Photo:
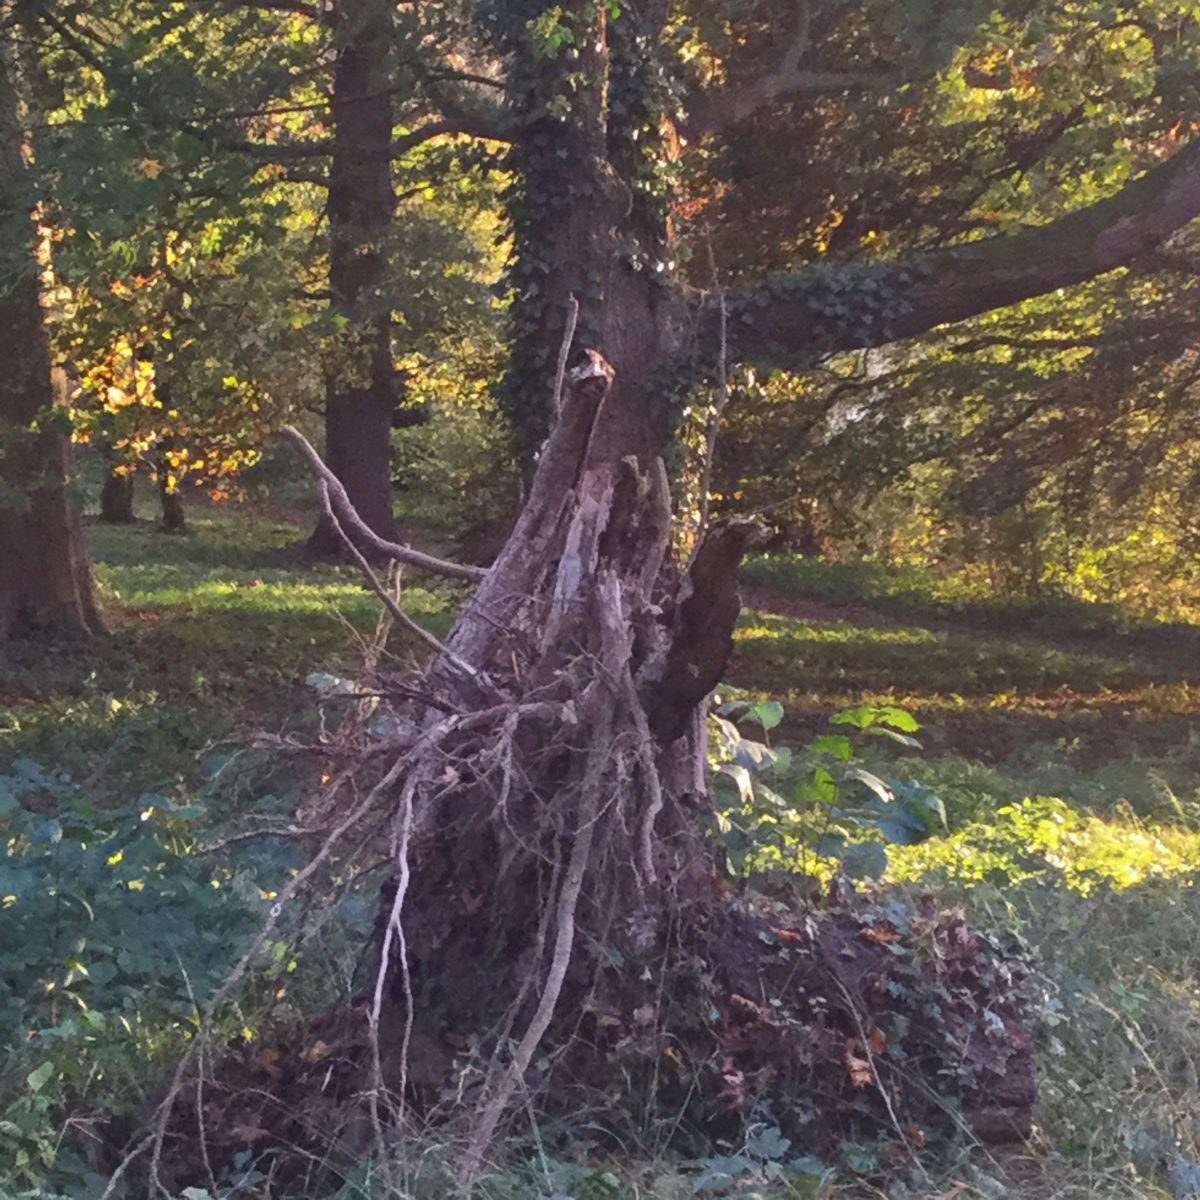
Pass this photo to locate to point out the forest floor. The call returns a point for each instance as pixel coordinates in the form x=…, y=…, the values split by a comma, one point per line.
x=217, y=630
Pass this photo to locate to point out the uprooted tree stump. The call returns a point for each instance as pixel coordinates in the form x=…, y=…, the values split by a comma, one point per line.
x=554, y=904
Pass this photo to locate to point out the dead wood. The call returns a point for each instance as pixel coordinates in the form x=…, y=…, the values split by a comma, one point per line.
x=542, y=796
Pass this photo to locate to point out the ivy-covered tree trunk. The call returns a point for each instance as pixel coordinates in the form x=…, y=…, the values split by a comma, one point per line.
x=45, y=575
x=362, y=387
x=589, y=220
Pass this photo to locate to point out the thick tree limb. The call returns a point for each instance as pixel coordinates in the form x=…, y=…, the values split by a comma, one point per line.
x=792, y=320
x=706, y=611
x=365, y=536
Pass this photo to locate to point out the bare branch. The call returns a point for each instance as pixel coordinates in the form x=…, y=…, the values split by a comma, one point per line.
x=285, y=152
x=361, y=531
x=398, y=614
x=713, y=111
x=564, y=351
x=74, y=38
x=465, y=126
x=298, y=7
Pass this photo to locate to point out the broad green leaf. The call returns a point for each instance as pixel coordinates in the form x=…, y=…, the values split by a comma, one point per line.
x=768, y=713
x=818, y=787
x=872, y=782
x=741, y=777
x=40, y=1076
x=902, y=829
x=903, y=738
x=835, y=744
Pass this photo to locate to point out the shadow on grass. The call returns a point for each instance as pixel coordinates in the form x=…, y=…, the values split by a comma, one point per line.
x=994, y=698
x=214, y=634
x=918, y=597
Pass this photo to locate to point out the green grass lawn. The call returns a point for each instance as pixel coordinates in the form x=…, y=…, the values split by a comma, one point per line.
x=1090, y=705
x=1064, y=744
x=214, y=632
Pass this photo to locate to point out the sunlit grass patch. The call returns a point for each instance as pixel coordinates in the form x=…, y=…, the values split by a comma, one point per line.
x=1044, y=837
x=214, y=634
x=941, y=661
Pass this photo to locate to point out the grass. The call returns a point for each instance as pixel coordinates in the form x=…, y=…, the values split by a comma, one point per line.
x=1049, y=709
x=214, y=633
x=1062, y=739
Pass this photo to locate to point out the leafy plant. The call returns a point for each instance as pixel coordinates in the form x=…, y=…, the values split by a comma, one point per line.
x=803, y=811
x=765, y=1157
x=115, y=932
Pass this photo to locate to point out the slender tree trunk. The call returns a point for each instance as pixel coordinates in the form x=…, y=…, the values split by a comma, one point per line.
x=116, y=497
x=174, y=516
x=362, y=387
x=45, y=575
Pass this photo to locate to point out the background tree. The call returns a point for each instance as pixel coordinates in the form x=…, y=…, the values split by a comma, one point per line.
x=45, y=576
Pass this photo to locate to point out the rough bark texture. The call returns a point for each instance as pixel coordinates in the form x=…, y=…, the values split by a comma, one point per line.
x=362, y=387
x=45, y=575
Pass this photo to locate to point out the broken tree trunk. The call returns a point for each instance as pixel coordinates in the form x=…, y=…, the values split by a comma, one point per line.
x=553, y=920
x=548, y=788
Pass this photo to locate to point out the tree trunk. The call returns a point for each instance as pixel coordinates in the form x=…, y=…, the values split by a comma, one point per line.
x=586, y=224
x=555, y=809
x=584, y=659
x=116, y=497
x=174, y=516
x=362, y=387
x=45, y=575
x=544, y=791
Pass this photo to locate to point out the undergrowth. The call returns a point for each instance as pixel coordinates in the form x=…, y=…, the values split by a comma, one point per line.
x=125, y=901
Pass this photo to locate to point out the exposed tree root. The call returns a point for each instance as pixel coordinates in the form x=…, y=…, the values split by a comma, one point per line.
x=553, y=903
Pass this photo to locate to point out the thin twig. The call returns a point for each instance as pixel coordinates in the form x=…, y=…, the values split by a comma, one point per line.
x=398, y=614
x=905, y=1141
